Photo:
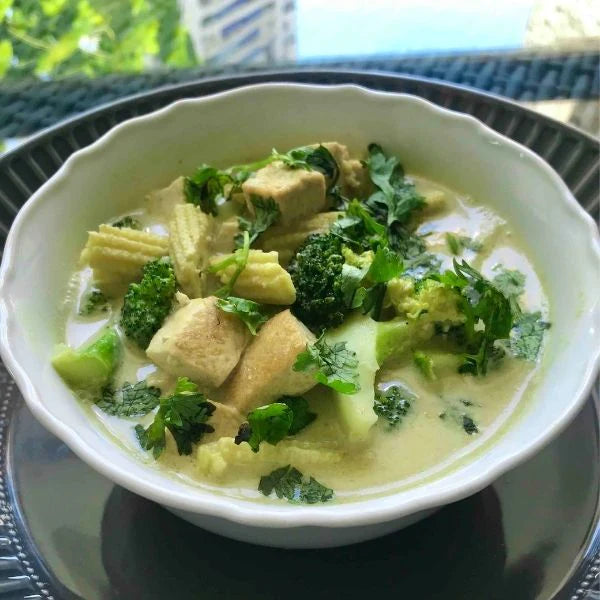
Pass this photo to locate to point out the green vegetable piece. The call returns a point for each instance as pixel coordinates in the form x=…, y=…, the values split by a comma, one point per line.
x=302, y=416
x=251, y=313
x=129, y=400
x=205, y=187
x=393, y=404
x=386, y=265
x=270, y=423
x=483, y=304
x=289, y=483
x=316, y=273
x=184, y=414
x=469, y=425
x=334, y=365
x=90, y=367
x=240, y=259
x=147, y=303
x=274, y=422
x=92, y=303
x=527, y=335
x=128, y=221
x=510, y=282
x=424, y=364
x=266, y=212
x=396, y=197
x=355, y=412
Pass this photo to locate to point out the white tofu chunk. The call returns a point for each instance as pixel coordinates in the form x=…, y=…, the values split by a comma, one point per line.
x=199, y=341
x=297, y=192
x=265, y=371
x=354, y=178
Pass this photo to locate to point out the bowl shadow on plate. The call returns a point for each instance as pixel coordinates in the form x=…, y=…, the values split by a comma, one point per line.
x=459, y=552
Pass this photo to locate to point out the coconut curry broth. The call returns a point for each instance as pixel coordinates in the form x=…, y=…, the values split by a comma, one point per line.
x=429, y=440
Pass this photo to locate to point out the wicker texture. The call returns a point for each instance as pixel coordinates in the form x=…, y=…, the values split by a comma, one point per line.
x=32, y=105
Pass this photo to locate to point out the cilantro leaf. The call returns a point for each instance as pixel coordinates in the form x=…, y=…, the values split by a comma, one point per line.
x=205, y=187
x=184, y=414
x=302, y=416
x=386, y=265
x=240, y=259
x=527, y=335
x=312, y=159
x=334, y=365
x=483, y=304
x=393, y=404
x=128, y=221
x=129, y=400
x=93, y=302
x=274, y=422
x=251, y=313
x=396, y=197
x=266, y=212
x=289, y=483
x=425, y=364
x=510, y=282
x=270, y=423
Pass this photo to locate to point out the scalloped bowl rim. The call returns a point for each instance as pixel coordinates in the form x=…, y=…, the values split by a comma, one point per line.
x=246, y=512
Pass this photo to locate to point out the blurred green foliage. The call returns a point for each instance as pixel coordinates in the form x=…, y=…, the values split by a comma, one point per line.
x=57, y=38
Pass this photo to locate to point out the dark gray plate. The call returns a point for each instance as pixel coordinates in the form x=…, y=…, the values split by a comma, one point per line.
x=66, y=532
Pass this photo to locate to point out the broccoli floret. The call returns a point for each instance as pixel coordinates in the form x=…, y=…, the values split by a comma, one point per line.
x=147, y=303
x=316, y=272
x=89, y=367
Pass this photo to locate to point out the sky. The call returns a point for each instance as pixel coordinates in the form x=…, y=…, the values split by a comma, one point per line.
x=330, y=28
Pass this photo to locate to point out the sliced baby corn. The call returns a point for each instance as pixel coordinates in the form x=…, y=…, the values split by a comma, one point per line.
x=190, y=237
x=117, y=255
x=287, y=239
x=262, y=280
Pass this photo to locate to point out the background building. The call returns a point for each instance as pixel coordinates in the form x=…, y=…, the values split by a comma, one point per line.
x=241, y=31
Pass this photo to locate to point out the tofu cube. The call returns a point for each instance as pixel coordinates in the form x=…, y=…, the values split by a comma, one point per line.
x=354, y=177
x=199, y=341
x=265, y=371
x=297, y=192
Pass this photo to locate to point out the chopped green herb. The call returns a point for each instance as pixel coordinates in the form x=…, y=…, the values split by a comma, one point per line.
x=385, y=266
x=251, y=313
x=453, y=243
x=461, y=418
x=311, y=159
x=425, y=364
x=393, y=404
x=483, y=304
x=396, y=198
x=130, y=400
x=289, y=483
x=274, y=422
x=184, y=414
x=93, y=302
x=266, y=212
x=527, y=335
x=469, y=425
x=205, y=187
x=128, y=221
x=303, y=417
x=334, y=365
x=239, y=258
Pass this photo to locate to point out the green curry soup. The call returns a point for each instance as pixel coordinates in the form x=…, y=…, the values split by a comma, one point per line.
x=312, y=327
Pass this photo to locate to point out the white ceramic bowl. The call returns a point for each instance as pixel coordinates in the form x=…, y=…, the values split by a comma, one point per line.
x=148, y=152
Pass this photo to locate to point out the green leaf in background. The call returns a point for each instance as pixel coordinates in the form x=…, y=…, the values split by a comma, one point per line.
x=58, y=38
x=6, y=54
